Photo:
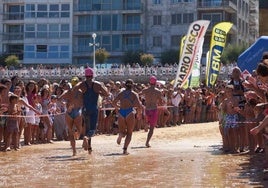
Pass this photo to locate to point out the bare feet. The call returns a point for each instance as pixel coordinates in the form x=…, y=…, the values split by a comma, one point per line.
x=85, y=143
x=74, y=153
x=89, y=150
x=120, y=136
x=125, y=152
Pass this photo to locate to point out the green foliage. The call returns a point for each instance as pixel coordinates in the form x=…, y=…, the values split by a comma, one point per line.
x=131, y=57
x=12, y=60
x=101, y=55
x=231, y=53
x=170, y=57
x=147, y=59
x=2, y=59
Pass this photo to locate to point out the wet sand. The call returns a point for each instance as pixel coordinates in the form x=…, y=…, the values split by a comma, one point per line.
x=182, y=156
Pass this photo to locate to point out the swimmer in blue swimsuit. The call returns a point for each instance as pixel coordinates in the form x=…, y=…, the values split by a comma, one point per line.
x=73, y=117
x=126, y=120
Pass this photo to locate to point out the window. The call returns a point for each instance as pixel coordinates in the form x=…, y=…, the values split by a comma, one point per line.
x=65, y=31
x=106, y=23
x=41, y=48
x=213, y=17
x=41, y=30
x=96, y=4
x=106, y=42
x=157, y=41
x=54, y=11
x=64, y=52
x=29, y=51
x=30, y=11
x=175, y=1
x=175, y=40
x=65, y=10
x=84, y=23
x=16, y=12
x=41, y=51
x=29, y=31
x=157, y=20
x=53, y=31
x=116, y=41
x=176, y=19
x=188, y=18
x=53, y=52
x=42, y=11
x=156, y=2
x=65, y=7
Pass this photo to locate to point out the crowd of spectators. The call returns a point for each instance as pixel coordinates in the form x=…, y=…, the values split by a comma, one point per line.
x=239, y=104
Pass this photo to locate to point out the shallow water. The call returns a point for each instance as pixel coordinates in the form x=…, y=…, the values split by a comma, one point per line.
x=168, y=163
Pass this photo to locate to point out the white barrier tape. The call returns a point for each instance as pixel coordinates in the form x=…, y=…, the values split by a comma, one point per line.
x=46, y=115
x=119, y=108
x=43, y=115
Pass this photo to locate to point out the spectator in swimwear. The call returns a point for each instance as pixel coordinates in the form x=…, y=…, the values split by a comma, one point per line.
x=12, y=130
x=31, y=91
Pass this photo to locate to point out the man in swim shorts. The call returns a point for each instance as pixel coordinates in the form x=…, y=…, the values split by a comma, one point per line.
x=152, y=97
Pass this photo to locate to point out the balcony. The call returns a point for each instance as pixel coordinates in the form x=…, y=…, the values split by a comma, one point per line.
x=97, y=7
x=13, y=16
x=125, y=28
x=226, y=5
x=13, y=36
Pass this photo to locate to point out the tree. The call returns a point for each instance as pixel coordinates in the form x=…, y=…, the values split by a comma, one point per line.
x=131, y=57
x=12, y=60
x=231, y=53
x=2, y=59
x=170, y=57
x=147, y=59
x=101, y=55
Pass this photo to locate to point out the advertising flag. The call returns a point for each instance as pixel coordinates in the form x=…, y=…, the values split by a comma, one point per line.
x=217, y=44
x=193, y=41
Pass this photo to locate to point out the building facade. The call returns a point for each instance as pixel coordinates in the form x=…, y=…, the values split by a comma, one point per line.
x=59, y=31
x=39, y=32
x=263, y=16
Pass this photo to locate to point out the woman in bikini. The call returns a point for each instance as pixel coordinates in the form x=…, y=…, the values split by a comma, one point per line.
x=126, y=101
x=73, y=117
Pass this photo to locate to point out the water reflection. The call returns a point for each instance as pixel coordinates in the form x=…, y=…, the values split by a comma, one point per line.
x=166, y=164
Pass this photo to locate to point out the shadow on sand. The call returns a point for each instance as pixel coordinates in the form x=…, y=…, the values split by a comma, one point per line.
x=252, y=168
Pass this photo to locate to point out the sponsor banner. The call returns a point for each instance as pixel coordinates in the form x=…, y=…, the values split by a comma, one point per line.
x=194, y=80
x=193, y=41
x=217, y=44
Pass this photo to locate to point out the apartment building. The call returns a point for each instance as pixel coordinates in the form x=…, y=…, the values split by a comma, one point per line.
x=59, y=31
x=39, y=32
x=263, y=16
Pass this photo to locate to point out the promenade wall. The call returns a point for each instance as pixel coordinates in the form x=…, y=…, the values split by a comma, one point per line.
x=141, y=75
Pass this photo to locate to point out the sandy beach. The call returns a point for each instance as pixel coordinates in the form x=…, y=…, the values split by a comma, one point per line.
x=183, y=156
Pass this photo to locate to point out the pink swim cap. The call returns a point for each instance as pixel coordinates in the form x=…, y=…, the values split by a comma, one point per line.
x=89, y=72
x=153, y=80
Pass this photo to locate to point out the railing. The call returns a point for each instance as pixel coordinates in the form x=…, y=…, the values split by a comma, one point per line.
x=13, y=16
x=13, y=36
x=67, y=73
